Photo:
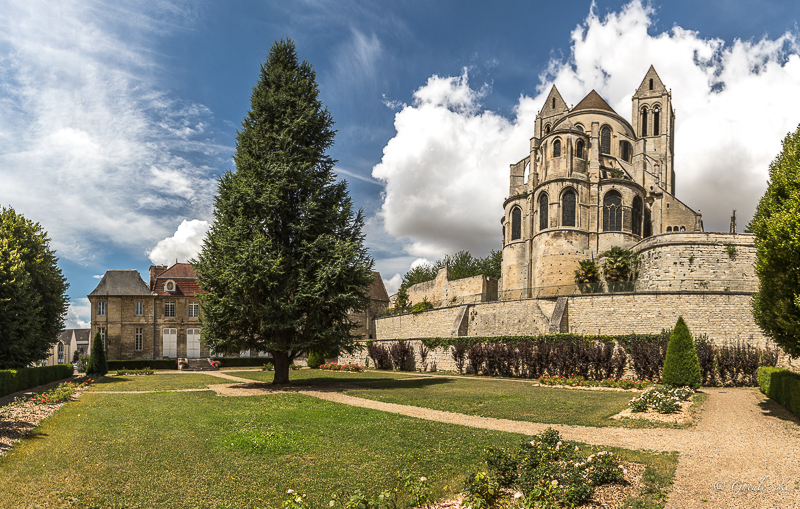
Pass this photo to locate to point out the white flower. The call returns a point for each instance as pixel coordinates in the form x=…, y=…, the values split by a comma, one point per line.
x=289, y=491
x=423, y=479
x=517, y=495
x=554, y=482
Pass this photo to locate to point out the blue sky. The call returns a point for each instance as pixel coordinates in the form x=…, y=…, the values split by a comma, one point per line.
x=117, y=117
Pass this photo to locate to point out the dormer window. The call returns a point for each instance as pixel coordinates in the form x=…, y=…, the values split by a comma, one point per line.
x=169, y=286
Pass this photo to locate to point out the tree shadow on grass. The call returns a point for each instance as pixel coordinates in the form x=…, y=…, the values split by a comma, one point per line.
x=402, y=383
x=771, y=408
x=106, y=380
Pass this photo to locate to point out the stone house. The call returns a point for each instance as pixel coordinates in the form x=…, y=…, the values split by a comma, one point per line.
x=379, y=301
x=69, y=341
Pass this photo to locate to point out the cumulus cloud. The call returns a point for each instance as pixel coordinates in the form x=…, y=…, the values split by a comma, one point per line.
x=393, y=284
x=184, y=245
x=89, y=147
x=446, y=168
x=77, y=309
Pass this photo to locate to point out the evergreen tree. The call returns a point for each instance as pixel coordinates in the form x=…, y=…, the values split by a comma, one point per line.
x=284, y=263
x=33, y=298
x=681, y=365
x=97, y=366
x=776, y=226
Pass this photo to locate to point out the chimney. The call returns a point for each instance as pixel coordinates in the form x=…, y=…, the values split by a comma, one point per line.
x=155, y=270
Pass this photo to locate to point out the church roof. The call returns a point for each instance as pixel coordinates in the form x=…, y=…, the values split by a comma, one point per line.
x=593, y=101
x=377, y=291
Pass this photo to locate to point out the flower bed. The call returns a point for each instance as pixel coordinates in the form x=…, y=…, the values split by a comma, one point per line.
x=664, y=401
x=579, y=381
x=335, y=366
x=63, y=392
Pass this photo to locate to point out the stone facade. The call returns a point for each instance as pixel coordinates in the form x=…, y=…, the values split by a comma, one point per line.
x=441, y=291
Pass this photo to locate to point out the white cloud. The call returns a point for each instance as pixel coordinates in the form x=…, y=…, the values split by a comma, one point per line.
x=393, y=284
x=89, y=147
x=98, y=276
x=446, y=168
x=184, y=245
x=78, y=309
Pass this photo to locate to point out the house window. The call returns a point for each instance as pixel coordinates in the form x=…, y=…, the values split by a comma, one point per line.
x=194, y=310
x=516, y=223
x=543, y=204
x=138, y=339
x=169, y=310
x=605, y=140
x=568, y=209
x=656, y=118
x=60, y=352
x=579, y=149
x=612, y=212
x=139, y=308
x=644, y=122
x=636, y=212
x=101, y=308
x=557, y=148
x=102, y=331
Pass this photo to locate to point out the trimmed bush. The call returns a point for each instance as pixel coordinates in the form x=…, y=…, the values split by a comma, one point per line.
x=97, y=361
x=315, y=359
x=781, y=385
x=20, y=379
x=681, y=366
x=765, y=377
x=143, y=364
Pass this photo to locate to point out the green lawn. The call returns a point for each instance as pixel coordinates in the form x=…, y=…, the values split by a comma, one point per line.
x=165, y=382
x=317, y=376
x=505, y=399
x=198, y=450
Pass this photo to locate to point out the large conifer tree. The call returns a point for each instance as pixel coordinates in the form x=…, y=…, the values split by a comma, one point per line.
x=284, y=262
x=776, y=225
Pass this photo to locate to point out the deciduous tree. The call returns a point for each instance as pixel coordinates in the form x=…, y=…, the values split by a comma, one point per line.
x=284, y=262
x=33, y=298
x=776, y=225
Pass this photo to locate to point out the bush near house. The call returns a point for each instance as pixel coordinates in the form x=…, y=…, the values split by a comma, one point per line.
x=781, y=385
x=13, y=380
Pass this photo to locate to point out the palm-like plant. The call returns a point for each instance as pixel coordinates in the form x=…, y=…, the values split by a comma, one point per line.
x=587, y=272
x=617, y=264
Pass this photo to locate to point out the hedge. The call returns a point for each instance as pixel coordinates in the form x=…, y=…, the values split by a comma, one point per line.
x=20, y=379
x=781, y=385
x=143, y=363
x=237, y=362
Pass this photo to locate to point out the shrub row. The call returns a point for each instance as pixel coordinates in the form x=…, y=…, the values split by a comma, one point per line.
x=239, y=362
x=20, y=379
x=781, y=385
x=142, y=364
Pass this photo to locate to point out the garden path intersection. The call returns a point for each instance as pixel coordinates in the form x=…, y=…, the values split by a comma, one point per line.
x=737, y=456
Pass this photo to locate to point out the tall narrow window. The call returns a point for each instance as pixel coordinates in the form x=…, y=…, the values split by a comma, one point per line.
x=568, y=209
x=102, y=331
x=60, y=352
x=194, y=310
x=516, y=223
x=547, y=129
x=579, y=149
x=651, y=83
x=554, y=103
x=656, y=118
x=544, y=203
x=138, y=338
x=644, y=122
x=169, y=310
x=625, y=151
x=612, y=212
x=605, y=140
x=101, y=308
x=557, y=148
x=139, y=308
x=636, y=212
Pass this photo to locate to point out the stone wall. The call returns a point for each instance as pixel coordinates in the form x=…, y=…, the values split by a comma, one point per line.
x=439, y=359
x=443, y=292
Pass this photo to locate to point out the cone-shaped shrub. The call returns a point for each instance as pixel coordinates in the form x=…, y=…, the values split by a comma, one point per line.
x=97, y=366
x=681, y=366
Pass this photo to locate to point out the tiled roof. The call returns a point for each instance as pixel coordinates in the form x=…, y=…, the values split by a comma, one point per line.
x=593, y=101
x=185, y=279
x=377, y=291
x=82, y=335
x=121, y=282
x=65, y=336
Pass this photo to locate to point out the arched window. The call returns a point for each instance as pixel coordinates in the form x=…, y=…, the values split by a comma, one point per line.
x=557, y=148
x=625, y=151
x=605, y=140
x=636, y=212
x=656, y=117
x=579, y=149
x=651, y=83
x=544, y=203
x=579, y=128
x=568, y=208
x=612, y=212
x=683, y=228
x=669, y=229
x=516, y=223
x=644, y=122
x=674, y=229
x=547, y=129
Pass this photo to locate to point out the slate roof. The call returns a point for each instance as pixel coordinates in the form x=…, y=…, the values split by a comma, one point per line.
x=80, y=335
x=118, y=282
x=593, y=101
x=185, y=279
x=377, y=291
x=65, y=336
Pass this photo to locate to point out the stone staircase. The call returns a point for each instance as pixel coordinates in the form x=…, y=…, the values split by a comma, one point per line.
x=198, y=365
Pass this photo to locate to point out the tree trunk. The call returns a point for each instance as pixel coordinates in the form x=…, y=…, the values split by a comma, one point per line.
x=281, y=360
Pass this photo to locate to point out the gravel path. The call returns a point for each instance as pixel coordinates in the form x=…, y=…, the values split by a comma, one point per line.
x=738, y=456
